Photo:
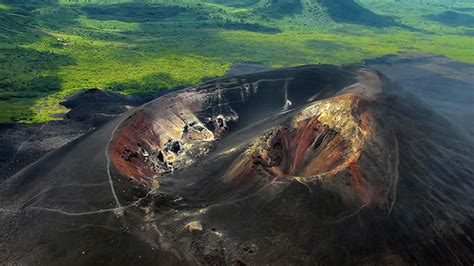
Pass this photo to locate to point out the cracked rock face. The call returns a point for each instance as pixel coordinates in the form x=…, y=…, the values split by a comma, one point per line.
x=307, y=165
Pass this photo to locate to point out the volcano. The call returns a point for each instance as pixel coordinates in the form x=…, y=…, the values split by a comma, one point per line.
x=316, y=164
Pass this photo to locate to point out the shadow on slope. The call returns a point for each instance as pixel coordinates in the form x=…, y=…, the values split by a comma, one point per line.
x=154, y=13
x=349, y=11
x=130, y=12
x=282, y=8
x=345, y=11
x=453, y=18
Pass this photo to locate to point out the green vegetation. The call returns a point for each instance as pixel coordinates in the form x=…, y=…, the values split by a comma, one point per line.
x=50, y=49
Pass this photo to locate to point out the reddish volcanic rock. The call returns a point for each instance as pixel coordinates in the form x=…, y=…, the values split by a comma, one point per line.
x=320, y=142
x=150, y=143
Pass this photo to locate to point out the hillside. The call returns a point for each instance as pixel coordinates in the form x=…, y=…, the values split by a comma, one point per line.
x=50, y=49
x=348, y=11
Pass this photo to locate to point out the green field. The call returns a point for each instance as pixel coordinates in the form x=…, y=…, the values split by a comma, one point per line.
x=49, y=50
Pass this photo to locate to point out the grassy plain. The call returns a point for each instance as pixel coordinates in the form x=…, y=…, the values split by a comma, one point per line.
x=49, y=50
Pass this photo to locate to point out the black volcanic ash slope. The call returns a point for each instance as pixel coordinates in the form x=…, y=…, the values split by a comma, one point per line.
x=315, y=164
